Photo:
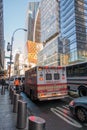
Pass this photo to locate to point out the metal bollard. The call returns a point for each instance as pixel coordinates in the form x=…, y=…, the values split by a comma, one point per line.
x=36, y=123
x=3, y=90
x=15, y=102
x=10, y=92
x=21, y=114
x=12, y=98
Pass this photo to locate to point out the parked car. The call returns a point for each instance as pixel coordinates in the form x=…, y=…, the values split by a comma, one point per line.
x=78, y=108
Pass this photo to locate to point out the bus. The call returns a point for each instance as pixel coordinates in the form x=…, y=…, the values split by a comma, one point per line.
x=77, y=79
x=46, y=83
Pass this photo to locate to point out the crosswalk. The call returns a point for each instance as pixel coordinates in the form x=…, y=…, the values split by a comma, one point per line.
x=64, y=113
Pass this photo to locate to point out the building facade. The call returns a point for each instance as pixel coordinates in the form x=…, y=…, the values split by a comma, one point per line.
x=30, y=20
x=49, y=33
x=33, y=27
x=16, y=65
x=62, y=30
x=73, y=22
x=2, y=44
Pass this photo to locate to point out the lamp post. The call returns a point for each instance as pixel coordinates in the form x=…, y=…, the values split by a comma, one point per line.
x=11, y=45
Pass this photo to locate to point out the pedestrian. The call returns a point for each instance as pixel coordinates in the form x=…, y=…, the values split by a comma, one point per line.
x=2, y=82
x=17, y=85
x=3, y=86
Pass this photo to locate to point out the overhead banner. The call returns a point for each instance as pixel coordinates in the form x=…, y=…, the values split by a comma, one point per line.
x=33, y=49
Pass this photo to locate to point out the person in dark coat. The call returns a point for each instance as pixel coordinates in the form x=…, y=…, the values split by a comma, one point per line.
x=3, y=86
x=2, y=82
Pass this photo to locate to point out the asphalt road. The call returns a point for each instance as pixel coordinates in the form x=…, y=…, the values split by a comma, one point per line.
x=56, y=114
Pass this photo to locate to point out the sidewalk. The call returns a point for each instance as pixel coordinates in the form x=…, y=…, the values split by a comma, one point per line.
x=7, y=117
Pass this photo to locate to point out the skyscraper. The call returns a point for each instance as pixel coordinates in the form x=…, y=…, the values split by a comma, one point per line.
x=30, y=21
x=49, y=33
x=73, y=17
x=33, y=33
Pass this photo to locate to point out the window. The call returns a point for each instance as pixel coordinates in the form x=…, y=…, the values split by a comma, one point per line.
x=56, y=76
x=49, y=76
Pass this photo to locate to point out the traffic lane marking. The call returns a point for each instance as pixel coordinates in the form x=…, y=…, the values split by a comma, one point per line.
x=64, y=114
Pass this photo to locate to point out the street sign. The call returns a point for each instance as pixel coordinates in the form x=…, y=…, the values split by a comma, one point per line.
x=7, y=57
x=8, y=47
x=10, y=62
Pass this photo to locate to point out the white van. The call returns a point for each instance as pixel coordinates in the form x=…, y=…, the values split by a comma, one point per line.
x=11, y=82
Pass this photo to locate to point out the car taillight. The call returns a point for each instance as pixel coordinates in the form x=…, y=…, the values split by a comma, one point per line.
x=72, y=103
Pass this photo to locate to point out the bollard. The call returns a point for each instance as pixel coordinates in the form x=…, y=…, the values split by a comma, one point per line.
x=12, y=98
x=3, y=90
x=15, y=102
x=21, y=114
x=36, y=123
x=10, y=89
x=10, y=92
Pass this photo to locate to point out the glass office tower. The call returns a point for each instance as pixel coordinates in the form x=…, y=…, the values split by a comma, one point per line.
x=49, y=19
x=30, y=21
x=49, y=33
x=73, y=22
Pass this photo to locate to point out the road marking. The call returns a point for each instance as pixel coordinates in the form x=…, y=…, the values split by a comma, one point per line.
x=60, y=112
x=65, y=111
x=66, y=107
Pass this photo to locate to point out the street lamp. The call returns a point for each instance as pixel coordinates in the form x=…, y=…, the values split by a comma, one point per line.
x=11, y=45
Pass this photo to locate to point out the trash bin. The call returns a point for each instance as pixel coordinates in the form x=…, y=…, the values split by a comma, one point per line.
x=21, y=114
x=3, y=90
x=36, y=123
x=15, y=102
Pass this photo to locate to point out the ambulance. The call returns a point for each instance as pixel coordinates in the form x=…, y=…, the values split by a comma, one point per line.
x=46, y=83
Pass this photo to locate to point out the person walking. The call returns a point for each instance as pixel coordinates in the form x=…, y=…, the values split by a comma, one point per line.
x=3, y=82
x=17, y=85
x=3, y=86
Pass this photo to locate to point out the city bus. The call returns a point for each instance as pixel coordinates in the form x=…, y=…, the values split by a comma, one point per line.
x=77, y=79
x=46, y=83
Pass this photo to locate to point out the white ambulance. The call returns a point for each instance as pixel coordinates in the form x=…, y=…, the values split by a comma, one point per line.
x=46, y=83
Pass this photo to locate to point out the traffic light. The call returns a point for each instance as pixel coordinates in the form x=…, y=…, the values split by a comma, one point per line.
x=8, y=47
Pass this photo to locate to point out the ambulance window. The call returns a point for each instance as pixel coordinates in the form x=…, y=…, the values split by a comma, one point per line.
x=56, y=76
x=48, y=76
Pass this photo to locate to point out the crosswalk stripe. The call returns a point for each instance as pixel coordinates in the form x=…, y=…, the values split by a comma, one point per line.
x=66, y=107
x=65, y=117
x=64, y=112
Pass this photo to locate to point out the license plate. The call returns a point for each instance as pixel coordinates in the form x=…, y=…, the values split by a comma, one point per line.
x=53, y=94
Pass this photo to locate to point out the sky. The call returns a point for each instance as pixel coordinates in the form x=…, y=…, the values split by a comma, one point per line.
x=15, y=12
x=15, y=17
